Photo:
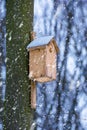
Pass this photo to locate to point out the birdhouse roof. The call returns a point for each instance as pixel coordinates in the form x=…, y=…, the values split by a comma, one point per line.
x=42, y=41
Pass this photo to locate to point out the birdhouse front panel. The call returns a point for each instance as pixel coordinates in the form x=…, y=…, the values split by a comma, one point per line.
x=37, y=63
x=51, y=61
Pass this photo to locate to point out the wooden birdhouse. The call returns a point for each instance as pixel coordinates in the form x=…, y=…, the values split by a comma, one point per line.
x=42, y=59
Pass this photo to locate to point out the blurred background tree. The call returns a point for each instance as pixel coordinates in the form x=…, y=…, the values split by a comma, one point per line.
x=67, y=22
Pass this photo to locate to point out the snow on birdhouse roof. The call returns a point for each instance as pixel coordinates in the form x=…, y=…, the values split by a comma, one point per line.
x=41, y=41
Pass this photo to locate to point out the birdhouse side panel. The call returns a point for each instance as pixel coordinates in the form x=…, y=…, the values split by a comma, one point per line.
x=37, y=63
x=51, y=61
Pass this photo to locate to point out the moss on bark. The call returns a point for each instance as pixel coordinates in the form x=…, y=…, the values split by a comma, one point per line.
x=19, y=21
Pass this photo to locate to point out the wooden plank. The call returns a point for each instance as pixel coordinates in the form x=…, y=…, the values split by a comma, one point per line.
x=33, y=94
x=55, y=45
x=37, y=63
x=43, y=79
x=33, y=85
x=51, y=61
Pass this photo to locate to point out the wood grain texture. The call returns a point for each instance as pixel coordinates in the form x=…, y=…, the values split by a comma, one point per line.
x=33, y=95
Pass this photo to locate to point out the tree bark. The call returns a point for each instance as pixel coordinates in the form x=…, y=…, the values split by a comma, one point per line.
x=19, y=25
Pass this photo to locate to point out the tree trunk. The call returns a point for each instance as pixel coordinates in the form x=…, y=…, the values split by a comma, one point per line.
x=19, y=25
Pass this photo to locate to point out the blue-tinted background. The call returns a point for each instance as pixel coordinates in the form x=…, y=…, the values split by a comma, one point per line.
x=2, y=59
x=62, y=104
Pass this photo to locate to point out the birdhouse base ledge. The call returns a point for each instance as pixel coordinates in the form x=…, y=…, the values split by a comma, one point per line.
x=43, y=79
